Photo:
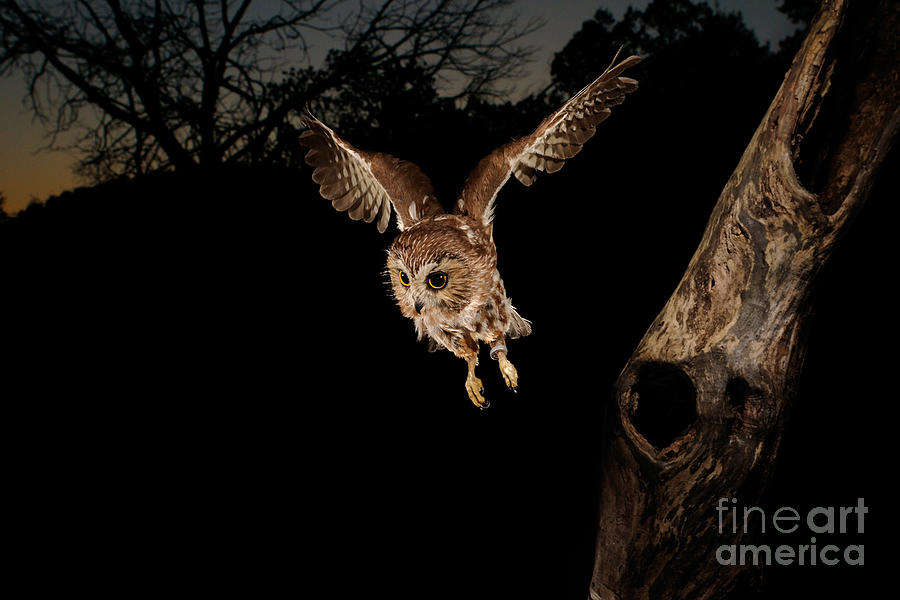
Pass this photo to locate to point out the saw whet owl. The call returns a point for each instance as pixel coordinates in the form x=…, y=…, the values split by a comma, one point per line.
x=443, y=264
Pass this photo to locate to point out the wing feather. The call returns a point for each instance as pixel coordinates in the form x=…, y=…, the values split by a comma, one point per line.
x=558, y=138
x=366, y=184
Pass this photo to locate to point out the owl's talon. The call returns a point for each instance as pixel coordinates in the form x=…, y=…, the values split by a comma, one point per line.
x=474, y=388
x=510, y=375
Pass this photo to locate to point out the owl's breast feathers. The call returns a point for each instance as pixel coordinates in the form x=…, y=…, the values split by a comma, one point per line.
x=488, y=321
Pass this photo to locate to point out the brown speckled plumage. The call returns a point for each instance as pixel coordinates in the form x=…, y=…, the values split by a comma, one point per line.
x=443, y=267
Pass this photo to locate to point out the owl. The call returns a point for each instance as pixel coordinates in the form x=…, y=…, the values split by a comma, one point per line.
x=442, y=265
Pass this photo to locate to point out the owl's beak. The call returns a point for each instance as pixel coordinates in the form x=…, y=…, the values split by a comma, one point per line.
x=418, y=306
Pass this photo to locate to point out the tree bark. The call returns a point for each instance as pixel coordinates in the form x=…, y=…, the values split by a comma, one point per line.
x=700, y=406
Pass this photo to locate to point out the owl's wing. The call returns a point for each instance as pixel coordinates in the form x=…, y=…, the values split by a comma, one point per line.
x=366, y=184
x=559, y=137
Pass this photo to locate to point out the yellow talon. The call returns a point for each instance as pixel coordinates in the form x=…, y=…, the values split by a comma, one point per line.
x=510, y=375
x=474, y=386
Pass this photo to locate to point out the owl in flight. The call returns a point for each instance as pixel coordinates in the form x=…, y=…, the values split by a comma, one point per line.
x=443, y=264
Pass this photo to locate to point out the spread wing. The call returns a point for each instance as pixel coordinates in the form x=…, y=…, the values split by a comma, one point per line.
x=366, y=184
x=559, y=137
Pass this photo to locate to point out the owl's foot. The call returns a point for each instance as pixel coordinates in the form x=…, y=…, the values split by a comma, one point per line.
x=510, y=375
x=474, y=386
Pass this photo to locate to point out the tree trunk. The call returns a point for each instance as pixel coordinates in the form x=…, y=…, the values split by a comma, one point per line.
x=700, y=406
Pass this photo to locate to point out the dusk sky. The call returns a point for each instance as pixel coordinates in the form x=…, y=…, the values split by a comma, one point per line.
x=26, y=173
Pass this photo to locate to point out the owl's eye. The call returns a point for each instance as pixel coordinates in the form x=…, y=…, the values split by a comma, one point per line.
x=437, y=280
x=404, y=278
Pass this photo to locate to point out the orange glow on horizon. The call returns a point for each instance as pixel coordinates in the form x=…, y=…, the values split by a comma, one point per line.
x=25, y=177
x=25, y=173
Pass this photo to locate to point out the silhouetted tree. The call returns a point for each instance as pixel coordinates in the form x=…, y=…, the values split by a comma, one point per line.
x=679, y=40
x=184, y=84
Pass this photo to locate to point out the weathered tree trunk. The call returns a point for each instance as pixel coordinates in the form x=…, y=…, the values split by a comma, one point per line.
x=700, y=405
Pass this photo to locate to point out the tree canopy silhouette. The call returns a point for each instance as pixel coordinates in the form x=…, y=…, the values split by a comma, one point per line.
x=152, y=85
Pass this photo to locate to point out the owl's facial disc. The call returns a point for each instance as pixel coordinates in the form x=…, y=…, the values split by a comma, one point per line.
x=421, y=286
x=421, y=295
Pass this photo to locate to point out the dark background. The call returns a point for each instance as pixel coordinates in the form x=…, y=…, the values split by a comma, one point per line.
x=211, y=389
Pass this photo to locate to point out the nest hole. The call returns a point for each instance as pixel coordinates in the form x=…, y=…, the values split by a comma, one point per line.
x=664, y=404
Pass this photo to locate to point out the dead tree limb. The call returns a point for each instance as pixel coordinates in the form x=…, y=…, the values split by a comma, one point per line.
x=700, y=406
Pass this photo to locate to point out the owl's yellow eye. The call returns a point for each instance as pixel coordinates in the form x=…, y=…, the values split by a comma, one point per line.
x=437, y=280
x=404, y=278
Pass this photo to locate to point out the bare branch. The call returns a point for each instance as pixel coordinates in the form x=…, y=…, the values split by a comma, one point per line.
x=197, y=82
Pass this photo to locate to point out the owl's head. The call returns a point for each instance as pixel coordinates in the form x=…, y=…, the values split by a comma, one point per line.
x=433, y=266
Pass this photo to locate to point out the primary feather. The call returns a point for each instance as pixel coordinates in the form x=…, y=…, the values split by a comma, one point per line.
x=558, y=138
